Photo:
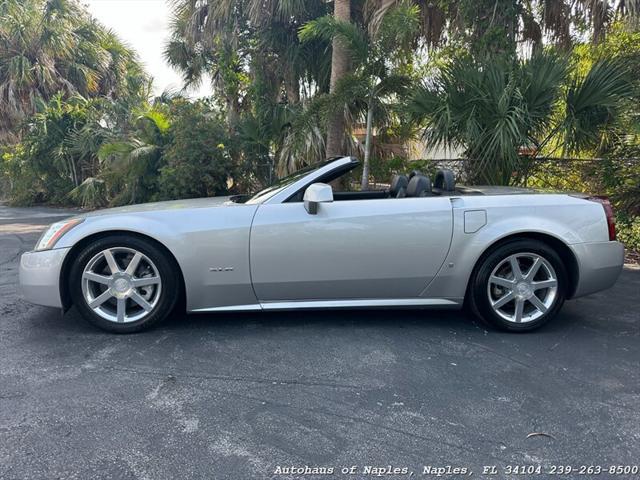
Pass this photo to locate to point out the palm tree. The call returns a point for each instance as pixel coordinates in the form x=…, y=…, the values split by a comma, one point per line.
x=490, y=24
x=290, y=61
x=367, y=90
x=264, y=75
x=54, y=46
x=205, y=43
x=139, y=156
x=235, y=43
x=495, y=107
x=339, y=68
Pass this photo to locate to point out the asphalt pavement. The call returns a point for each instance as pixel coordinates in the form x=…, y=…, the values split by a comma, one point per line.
x=243, y=396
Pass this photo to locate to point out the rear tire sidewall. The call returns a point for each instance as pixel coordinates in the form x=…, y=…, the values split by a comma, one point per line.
x=166, y=269
x=479, y=300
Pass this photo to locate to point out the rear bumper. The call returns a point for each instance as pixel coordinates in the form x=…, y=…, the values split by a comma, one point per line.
x=599, y=266
x=40, y=276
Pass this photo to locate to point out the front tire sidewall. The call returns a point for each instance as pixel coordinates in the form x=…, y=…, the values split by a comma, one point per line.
x=478, y=289
x=166, y=270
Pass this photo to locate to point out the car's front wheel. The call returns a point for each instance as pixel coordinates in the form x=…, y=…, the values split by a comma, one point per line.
x=123, y=284
x=520, y=286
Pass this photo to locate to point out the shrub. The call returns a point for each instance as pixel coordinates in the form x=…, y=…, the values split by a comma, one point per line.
x=629, y=232
x=197, y=162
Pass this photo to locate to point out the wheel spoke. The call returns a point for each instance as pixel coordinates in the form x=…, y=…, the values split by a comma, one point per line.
x=515, y=268
x=144, y=281
x=539, y=304
x=136, y=297
x=94, y=277
x=519, y=310
x=537, y=263
x=121, y=284
x=544, y=284
x=111, y=261
x=511, y=282
x=100, y=299
x=502, y=301
x=133, y=264
x=503, y=282
x=121, y=309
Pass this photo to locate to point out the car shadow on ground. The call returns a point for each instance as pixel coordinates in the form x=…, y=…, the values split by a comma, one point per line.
x=425, y=320
x=598, y=312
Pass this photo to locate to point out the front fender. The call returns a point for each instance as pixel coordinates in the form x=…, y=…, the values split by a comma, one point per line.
x=153, y=228
x=210, y=245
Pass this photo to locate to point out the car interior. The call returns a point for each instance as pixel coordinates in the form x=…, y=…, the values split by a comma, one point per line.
x=415, y=184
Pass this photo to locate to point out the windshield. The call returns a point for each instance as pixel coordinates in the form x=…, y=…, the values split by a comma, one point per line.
x=283, y=183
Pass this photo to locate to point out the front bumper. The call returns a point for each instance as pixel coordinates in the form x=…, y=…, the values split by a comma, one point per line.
x=599, y=264
x=40, y=276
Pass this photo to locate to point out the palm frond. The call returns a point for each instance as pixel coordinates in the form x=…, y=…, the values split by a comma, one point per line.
x=327, y=27
x=592, y=102
x=90, y=194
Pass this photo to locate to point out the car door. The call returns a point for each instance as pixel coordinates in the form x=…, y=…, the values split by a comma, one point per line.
x=360, y=249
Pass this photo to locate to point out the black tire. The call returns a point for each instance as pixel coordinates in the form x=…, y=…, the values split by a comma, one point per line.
x=166, y=269
x=479, y=291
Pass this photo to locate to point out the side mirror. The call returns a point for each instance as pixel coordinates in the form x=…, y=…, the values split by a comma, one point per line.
x=316, y=194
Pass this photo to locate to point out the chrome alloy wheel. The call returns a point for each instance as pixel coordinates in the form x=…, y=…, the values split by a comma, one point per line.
x=522, y=287
x=121, y=285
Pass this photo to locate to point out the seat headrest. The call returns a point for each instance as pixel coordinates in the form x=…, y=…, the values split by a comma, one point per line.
x=399, y=185
x=419, y=186
x=445, y=180
x=414, y=173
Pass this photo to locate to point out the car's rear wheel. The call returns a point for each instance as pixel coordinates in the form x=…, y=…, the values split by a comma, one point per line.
x=520, y=286
x=123, y=284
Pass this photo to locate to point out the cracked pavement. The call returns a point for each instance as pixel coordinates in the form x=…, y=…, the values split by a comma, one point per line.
x=235, y=395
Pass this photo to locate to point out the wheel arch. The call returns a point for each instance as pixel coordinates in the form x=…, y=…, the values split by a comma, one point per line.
x=65, y=295
x=561, y=248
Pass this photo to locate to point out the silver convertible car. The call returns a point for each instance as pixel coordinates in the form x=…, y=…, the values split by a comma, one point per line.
x=513, y=256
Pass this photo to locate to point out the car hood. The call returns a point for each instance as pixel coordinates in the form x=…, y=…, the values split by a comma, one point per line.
x=160, y=206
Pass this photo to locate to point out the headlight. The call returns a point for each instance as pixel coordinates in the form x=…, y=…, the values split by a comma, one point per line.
x=54, y=232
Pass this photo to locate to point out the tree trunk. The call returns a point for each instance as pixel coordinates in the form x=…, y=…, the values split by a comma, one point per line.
x=292, y=87
x=367, y=147
x=74, y=172
x=339, y=68
x=233, y=112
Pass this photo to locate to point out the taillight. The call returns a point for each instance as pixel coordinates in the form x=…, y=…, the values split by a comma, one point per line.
x=608, y=211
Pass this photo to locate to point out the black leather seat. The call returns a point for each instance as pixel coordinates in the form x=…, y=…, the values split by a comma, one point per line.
x=399, y=185
x=419, y=186
x=445, y=180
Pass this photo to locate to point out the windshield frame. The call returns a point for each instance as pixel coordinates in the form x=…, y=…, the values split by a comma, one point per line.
x=279, y=191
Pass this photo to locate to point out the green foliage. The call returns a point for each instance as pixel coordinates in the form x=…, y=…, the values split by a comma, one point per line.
x=301, y=139
x=490, y=108
x=326, y=28
x=495, y=108
x=379, y=60
x=74, y=154
x=197, y=163
x=22, y=182
x=54, y=48
x=90, y=193
x=629, y=232
x=54, y=157
x=135, y=160
x=592, y=103
x=493, y=25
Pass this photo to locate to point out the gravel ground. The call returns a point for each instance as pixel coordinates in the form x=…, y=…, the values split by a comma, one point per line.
x=244, y=396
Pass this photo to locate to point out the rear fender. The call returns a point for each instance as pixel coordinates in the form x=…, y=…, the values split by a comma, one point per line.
x=567, y=225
